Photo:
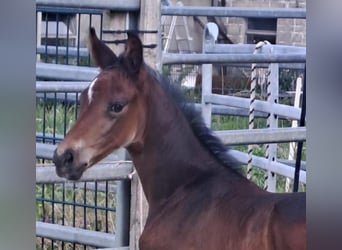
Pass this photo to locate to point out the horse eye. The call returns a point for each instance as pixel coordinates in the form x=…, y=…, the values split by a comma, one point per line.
x=117, y=107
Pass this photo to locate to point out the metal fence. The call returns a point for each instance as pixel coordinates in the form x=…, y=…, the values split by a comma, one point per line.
x=91, y=213
x=272, y=108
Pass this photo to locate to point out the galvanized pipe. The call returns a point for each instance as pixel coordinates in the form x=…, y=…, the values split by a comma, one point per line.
x=260, y=136
x=201, y=58
x=233, y=101
x=234, y=12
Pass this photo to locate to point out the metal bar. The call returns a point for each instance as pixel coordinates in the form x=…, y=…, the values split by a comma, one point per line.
x=118, y=170
x=278, y=109
x=122, y=208
x=61, y=86
x=249, y=49
x=260, y=136
x=65, y=72
x=260, y=162
x=117, y=5
x=224, y=110
x=62, y=50
x=234, y=12
x=72, y=234
x=45, y=151
x=200, y=58
x=210, y=35
x=292, y=164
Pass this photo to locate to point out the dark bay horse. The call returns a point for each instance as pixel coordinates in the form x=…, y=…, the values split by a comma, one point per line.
x=197, y=197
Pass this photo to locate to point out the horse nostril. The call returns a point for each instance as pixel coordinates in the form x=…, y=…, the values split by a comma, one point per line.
x=68, y=157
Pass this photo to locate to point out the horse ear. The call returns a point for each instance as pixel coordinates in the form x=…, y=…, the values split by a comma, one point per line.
x=133, y=55
x=100, y=53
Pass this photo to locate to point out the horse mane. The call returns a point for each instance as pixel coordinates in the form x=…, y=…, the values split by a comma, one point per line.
x=205, y=135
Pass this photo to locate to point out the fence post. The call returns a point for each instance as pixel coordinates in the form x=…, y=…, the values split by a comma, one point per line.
x=272, y=120
x=210, y=35
x=150, y=20
x=139, y=211
x=122, y=208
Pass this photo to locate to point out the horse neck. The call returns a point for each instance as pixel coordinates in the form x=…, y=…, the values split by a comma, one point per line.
x=171, y=155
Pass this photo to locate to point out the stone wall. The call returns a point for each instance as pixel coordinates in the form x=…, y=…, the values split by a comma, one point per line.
x=289, y=31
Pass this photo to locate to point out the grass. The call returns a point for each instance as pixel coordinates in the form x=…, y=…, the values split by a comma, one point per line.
x=50, y=118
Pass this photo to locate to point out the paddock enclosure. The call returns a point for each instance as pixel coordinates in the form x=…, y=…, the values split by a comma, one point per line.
x=249, y=93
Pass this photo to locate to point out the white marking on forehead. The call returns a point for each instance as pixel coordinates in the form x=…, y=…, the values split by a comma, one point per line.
x=90, y=90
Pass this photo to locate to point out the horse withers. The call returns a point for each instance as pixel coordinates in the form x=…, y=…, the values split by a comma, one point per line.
x=197, y=196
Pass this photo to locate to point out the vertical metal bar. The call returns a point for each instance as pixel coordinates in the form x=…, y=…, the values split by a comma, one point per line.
x=90, y=24
x=43, y=211
x=210, y=35
x=67, y=41
x=85, y=205
x=57, y=36
x=44, y=117
x=63, y=208
x=54, y=117
x=106, y=205
x=53, y=207
x=46, y=35
x=76, y=104
x=39, y=31
x=101, y=27
x=65, y=112
x=122, y=209
x=96, y=208
x=78, y=39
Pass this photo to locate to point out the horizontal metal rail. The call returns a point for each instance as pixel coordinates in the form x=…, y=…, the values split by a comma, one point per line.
x=61, y=86
x=250, y=48
x=225, y=110
x=292, y=163
x=277, y=109
x=260, y=136
x=261, y=162
x=234, y=12
x=118, y=170
x=200, y=58
x=117, y=5
x=62, y=51
x=45, y=151
x=65, y=72
x=90, y=186
x=72, y=234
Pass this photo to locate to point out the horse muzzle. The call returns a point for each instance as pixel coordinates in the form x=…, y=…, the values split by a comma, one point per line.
x=67, y=165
